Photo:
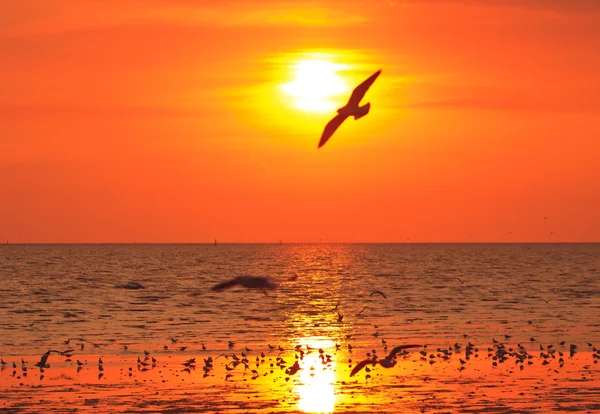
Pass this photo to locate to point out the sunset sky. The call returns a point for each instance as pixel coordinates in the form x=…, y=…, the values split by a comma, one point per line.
x=186, y=121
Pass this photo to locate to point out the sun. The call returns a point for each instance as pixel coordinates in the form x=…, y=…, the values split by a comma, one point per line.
x=316, y=82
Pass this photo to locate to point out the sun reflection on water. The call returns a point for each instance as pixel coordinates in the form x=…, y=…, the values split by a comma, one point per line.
x=316, y=385
x=312, y=325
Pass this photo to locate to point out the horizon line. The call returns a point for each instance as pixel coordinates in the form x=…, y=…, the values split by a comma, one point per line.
x=289, y=243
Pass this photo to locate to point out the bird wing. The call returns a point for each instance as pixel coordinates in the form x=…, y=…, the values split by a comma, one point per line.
x=378, y=292
x=44, y=359
x=359, y=92
x=360, y=366
x=225, y=285
x=400, y=348
x=85, y=340
x=331, y=127
x=256, y=282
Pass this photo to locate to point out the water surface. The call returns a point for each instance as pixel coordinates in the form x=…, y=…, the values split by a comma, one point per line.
x=438, y=295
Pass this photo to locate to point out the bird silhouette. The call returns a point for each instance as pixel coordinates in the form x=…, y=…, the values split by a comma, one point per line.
x=388, y=362
x=250, y=282
x=350, y=109
x=44, y=358
x=82, y=340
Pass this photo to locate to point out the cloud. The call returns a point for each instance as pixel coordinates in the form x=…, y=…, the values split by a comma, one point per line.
x=515, y=102
x=560, y=6
x=31, y=17
x=104, y=111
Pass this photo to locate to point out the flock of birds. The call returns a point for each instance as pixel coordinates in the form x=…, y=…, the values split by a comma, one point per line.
x=498, y=353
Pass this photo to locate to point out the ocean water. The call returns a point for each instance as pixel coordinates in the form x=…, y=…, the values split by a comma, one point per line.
x=436, y=295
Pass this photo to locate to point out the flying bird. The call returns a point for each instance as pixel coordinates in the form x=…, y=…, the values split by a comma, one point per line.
x=250, y=282
x=82, y=340
x=388, y=362
x=378, y=292
x=350, y=109
x=44, y=358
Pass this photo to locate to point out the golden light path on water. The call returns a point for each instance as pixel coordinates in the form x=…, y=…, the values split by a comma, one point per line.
x=318, y=338
x=316, y=389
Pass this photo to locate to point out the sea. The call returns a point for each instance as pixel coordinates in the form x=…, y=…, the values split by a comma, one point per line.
x=348, y=301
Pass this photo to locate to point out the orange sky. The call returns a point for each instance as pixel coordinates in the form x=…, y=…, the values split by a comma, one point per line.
x=165, y=121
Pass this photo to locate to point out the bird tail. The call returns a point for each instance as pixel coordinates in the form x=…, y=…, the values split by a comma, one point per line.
x=362, y=111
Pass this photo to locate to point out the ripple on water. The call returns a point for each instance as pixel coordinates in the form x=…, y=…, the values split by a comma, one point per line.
x=504, y=286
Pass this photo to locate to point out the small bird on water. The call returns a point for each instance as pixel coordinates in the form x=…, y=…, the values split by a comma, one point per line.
x=350, y=109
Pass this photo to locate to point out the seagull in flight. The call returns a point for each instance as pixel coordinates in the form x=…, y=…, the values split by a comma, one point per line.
x=95, y=345
x=44, y=358
x=352, y=108
x=388, y=362
x=250, y=282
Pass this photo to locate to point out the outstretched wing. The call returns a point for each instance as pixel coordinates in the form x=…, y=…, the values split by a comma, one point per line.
x=359, y=92
x=43, y=360
x=378, y=292
x=331, y=127
x=400, y=348
x=85, y=340
x=255, y=282
x=225, y=285
x=360, y=366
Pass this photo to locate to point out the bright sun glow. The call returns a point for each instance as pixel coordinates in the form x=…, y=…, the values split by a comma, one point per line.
x=316, y=81
x=316, y=385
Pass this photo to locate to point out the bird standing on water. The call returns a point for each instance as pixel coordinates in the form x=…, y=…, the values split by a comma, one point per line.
x=350, y=109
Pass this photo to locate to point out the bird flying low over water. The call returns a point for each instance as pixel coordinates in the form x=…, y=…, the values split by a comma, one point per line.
x=378, y=292
x=351, y=108
x=250, y=282
x=388, y=362
x=44, y=358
